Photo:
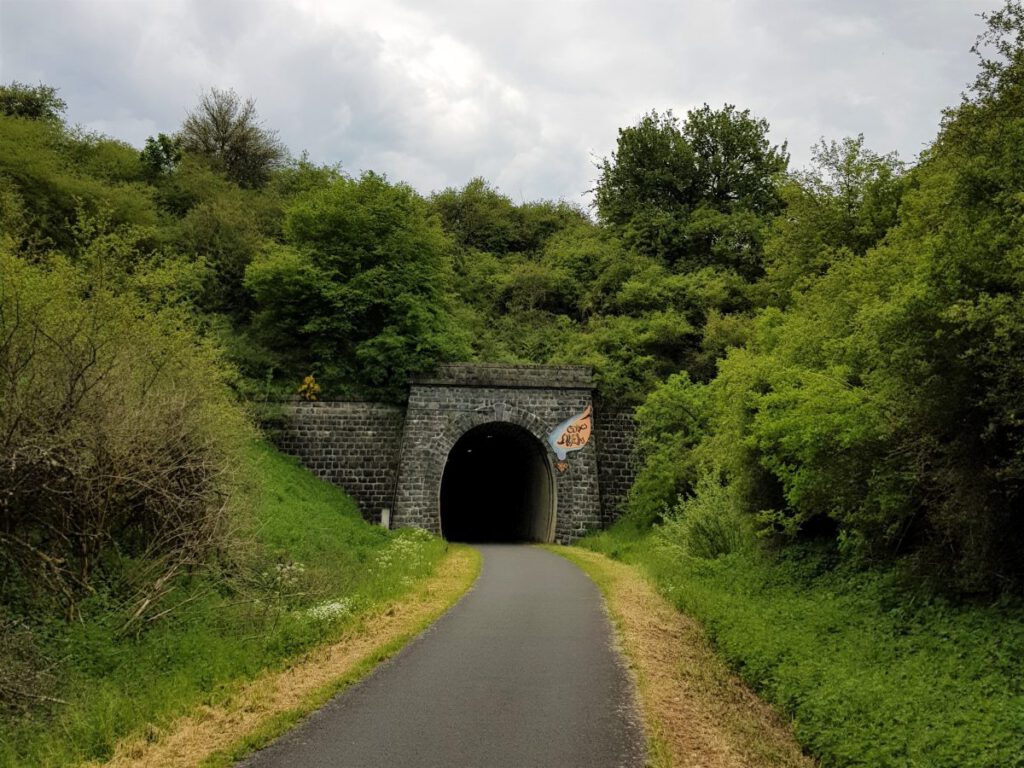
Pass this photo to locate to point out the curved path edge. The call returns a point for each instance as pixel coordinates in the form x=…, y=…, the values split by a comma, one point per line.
x=696, y=711
x=522, y=673
x=265, y=708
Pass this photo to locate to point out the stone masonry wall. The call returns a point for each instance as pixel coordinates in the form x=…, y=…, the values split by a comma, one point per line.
x=350, y=444
x=615, y=432
x=439, y=416
x=389, y=457
x=445, y=406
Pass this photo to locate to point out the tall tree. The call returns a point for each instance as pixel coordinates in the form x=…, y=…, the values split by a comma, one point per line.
x=882, y=407
x=161, y=155
x=480, y=217
x=32, y=102
x=840, y=207
x=697, y=193
x=359, y=294
x=227, y=130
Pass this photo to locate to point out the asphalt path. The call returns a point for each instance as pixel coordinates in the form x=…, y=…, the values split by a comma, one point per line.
x=521, y=672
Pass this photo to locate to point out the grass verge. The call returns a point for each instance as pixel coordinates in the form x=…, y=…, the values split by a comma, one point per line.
x=697, y=712
x=872, y=671
x=265, y=708
x=304, y=571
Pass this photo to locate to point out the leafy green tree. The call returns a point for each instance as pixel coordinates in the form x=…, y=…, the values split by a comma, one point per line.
x=653, y=168
x=32, y=102
x=844, y=204
x=479, y=217
x=878, y=407
x=737, y=167
x=694, y=194
x=882, y=401
x=541, y=220
x=529, y=285
x=359, y=293
x=193, y=182
x=56, y=175
x=672, y=422
x=592, y=263
x=629, y=354
x=223, y=237
x=227, y=131
x=161, y=155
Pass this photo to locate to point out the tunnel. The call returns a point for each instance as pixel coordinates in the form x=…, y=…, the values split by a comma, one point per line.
x=497, y=487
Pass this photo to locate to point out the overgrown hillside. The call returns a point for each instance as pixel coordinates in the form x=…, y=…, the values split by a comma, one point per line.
x=824, y=360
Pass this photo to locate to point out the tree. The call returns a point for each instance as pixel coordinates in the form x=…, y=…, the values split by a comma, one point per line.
x=32, y=102
x=226, y=130
x=737, y=167
x=161, y=155
x=480, y=217
x=671, y=422
x=359, y=292
x=653, y=167
x=884, y=403
x=694, y=194
x=840, y=207
x=56, y=175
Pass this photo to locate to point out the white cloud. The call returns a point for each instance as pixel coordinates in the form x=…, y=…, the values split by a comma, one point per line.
x=525, y=94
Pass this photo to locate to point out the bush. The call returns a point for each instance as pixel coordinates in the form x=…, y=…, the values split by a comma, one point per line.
x=117, y=439
x=670, y=424
x=359, y=294
x=305, y=570
x=705, y=525
x=27, y=678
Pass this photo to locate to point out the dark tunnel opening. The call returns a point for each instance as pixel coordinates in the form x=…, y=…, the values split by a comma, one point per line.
x=496, y=487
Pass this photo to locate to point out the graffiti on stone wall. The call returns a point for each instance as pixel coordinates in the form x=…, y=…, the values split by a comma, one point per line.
x=571, y=435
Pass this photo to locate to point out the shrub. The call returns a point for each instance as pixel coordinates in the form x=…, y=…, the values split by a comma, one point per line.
x=117, y=439
x=705, y=525
x=358, y=295
x=671, y=423
x=27, y=678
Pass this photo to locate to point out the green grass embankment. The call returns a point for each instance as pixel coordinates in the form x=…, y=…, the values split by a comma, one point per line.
x=304, y=568
x=872, y=672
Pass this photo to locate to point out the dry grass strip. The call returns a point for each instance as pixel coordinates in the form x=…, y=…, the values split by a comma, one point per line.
x=696, y=711
x=264, y=708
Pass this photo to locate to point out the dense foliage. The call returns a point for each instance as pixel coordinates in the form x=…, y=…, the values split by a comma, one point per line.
x=839, y=345
x=869, y=672
x=876, y=401
x=357, y=291
x=304, y=569
x=697, y=194
x=119, y=440
x=829, y=357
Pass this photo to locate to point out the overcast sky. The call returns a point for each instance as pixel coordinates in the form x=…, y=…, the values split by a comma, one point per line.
x=525, y=94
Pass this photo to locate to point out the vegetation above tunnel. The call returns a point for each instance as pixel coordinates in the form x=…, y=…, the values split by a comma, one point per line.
x=830, y=357
x=838, y=345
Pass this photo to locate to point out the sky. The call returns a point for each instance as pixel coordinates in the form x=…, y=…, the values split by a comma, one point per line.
x=529, y=95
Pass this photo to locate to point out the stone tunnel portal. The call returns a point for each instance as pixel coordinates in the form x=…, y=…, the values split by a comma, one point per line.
x=497, y=486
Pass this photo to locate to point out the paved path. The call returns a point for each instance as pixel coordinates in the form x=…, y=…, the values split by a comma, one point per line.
x=520, y=673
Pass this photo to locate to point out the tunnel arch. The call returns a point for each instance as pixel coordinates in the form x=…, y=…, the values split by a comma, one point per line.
x=497, y=485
